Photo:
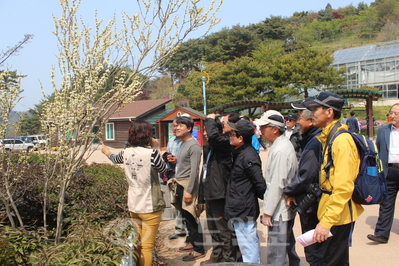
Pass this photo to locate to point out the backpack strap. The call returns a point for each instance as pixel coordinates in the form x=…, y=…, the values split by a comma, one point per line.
x=327, y=169
x=331, y=136
x=330, y=139
x=352, y=224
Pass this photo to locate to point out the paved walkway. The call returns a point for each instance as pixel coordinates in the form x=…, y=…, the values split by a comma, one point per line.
x=363, y=252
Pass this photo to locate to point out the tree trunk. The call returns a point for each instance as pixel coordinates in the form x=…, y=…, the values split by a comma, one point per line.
x=306, y=94
x=45, y=204
x=14, y=207
x=9, y=214
x=60, y=210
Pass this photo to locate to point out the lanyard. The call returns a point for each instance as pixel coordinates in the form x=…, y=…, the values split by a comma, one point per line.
x=205, y=166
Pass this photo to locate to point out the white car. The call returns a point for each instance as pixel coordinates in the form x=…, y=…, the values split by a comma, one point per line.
x=10, y=145
x=40, y=140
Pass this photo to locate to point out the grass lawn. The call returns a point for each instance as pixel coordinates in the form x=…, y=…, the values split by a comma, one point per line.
x=380, y=112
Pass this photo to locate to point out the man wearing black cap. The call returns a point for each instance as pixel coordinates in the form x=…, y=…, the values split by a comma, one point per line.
x=308, y=174
x=292, y=132
x=245, y=186
x=337, y=212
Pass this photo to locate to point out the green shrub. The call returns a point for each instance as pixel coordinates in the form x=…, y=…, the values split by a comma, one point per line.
x=97, y=192
x=100, y=191
x=36, y=158
x=96, y=223
x=86, y=244
x=17, y=246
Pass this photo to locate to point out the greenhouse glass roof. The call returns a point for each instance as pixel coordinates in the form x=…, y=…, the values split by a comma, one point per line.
x=369, y=52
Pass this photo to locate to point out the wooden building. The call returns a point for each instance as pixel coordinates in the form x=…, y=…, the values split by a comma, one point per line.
x=116, y=130
x=165, y=124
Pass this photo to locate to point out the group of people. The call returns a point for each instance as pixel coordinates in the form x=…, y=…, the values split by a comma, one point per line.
x=230, y=184
x=353, y=123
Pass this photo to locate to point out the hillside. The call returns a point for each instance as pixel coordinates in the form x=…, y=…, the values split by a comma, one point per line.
x=254, y=61
x=13, y=122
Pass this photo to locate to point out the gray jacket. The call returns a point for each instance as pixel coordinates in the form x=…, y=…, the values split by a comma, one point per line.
x=281, y=168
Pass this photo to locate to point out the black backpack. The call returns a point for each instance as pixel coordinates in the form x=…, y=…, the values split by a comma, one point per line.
x=370, y=186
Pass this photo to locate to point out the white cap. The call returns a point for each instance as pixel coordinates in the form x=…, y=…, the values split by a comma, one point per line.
x=271, y=117
x=185, y=114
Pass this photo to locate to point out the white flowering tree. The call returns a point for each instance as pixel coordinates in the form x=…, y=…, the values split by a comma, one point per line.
x=10, y=90
x=87, y=57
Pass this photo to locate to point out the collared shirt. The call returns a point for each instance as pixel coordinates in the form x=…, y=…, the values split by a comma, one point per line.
x=174, y=146
x=288, y=132
x=394, y=146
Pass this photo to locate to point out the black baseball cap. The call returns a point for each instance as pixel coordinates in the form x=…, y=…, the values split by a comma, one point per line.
x=244, y=127
x=301, y=106
x=291, y=116
x=326, y=99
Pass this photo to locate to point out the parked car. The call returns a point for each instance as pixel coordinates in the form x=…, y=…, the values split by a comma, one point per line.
x=10, y=145
x=26, y=139
x=40, y=139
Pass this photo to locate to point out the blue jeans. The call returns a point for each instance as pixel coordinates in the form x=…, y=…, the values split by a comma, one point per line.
x=248, y=240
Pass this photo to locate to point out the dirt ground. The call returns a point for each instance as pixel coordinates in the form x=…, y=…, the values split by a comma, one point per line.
x=167, y=250
x=363, y=252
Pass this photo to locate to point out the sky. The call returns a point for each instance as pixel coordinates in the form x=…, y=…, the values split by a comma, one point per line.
x=36, y=59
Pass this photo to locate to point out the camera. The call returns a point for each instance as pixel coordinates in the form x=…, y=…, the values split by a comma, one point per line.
x=314, y=193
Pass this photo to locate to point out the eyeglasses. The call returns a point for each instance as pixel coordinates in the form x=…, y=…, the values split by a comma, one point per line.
x=392, y=113
x=289, y=120
x=232, y=134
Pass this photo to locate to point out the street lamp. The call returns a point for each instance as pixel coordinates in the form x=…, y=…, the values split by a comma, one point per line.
x=204, y=92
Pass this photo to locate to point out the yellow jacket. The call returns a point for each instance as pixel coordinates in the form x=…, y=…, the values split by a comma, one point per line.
x=334, y=209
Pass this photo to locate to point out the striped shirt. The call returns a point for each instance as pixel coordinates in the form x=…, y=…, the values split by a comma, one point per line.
x=156, y=160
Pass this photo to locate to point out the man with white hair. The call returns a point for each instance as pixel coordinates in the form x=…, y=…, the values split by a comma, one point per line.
x=308, y=176
x=281, y=168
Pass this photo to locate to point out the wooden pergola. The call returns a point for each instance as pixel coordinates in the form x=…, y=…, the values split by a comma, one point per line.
x=251, y=106
x=369, y=96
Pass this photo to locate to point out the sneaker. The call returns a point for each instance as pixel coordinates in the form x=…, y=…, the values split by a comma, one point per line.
x=193, y=255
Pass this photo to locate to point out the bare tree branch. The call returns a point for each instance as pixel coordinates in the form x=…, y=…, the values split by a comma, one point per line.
x=14, y=50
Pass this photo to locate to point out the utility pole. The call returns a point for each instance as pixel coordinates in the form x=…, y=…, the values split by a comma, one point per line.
x=204, y=92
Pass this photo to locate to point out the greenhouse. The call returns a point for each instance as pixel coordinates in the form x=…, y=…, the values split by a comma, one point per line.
x=374, y=65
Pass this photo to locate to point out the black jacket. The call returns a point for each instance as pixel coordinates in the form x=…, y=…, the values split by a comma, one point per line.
x=245, y=186
x=220, y=162
x=308, y=170
x=295, y=140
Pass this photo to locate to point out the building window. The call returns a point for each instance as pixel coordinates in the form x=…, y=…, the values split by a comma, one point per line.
x=109, y=131
x=71, y=135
